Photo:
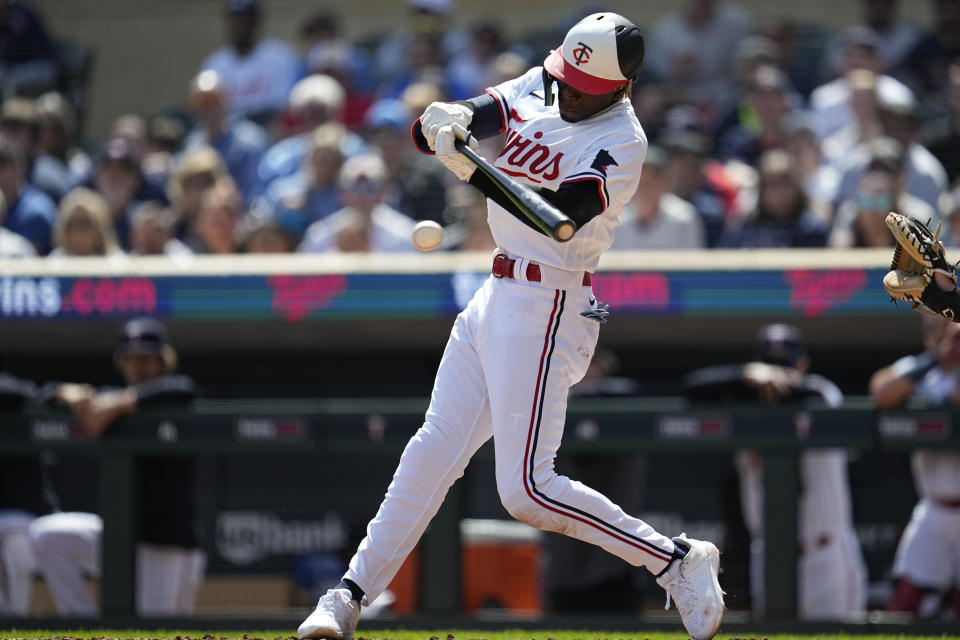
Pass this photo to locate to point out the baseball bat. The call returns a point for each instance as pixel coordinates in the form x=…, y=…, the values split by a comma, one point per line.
x=543, y=214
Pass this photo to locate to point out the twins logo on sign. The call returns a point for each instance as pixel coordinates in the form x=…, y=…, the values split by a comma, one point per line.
x=582, y=53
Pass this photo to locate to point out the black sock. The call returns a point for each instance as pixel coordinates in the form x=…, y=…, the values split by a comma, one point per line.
x=355, y=592
x=679, y=552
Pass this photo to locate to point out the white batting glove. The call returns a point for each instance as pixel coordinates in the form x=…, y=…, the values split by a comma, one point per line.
x=441, y=114
x=447, y=153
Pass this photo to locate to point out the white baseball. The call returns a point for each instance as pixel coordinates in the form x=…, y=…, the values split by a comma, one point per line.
x=427, y=235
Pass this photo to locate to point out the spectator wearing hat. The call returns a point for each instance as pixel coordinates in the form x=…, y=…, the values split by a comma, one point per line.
x=295, y=202
x=165, y=135
x=240, y=142
x=832, y=577
x=257, y=73
x=365, y=223
x=30, y=212
x=28, y=63
x=783, y=216
x=169, y=562
x=417, y=183
x=830, y=102
x=314, y=101
x=118, y=179
x=84, y=226
x=860, y=219
x=655, y=218
x=923, y=175
x=686, y=158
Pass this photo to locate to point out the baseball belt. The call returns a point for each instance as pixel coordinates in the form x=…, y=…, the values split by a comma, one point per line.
x=521, y=269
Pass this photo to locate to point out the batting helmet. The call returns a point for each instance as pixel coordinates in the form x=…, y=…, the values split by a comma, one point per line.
x=599, y=54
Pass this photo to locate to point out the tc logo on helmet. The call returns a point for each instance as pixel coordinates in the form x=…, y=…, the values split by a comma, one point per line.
x=582, y=53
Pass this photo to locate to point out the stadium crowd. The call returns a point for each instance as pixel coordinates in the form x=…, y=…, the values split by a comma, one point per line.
x=764, y=133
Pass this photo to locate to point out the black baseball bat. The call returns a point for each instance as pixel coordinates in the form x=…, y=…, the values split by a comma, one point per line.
x=543, y=214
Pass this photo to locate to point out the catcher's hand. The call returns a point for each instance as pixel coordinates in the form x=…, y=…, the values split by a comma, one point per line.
x=920, y=273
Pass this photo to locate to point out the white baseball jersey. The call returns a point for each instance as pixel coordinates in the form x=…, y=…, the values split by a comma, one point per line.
x=543, y=150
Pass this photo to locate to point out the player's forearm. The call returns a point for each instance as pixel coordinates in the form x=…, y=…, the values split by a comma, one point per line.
x=890, y=389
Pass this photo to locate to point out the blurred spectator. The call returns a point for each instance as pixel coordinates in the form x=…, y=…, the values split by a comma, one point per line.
x=261, y=234
x=860, y=220
x=423, y=63
x=215, y=228
x=132, y=129
x=655, y=218
x=330, y=53
x=820, y=177
x=12, y=245
x=923, y=175
x=417, y=183
x=152, y=229
x=865, y=124
x=782, y=216
x=169, y=563
x=239, y=142
x=418, y=96
x=30, y=212
x=832, y=577
x=797, y=50
x=197, y=172
x=753, y=53
x=315, y=100
x=117, y=177
x=428, y=20
x=84, y=226
x=365, y=223
x=894, y=39
x=924, y=569
x=581, y=578
x=925, y=67
x=165, y=134
x=19, y=505
x=258, y=74
x=830, y=103
x=768, y=100
x=295, y=202
x=466, y=218
x=686, y=152
x=469, y=73
x=18, y=122
x=692, y=50
x=942, y=137
x=57, y=126
x=27, y=54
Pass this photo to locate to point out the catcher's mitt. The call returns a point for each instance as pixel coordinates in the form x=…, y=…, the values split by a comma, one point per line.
x=918, y=256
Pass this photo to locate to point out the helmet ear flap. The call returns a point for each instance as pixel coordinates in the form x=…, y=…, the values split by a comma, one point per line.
x=547, y=88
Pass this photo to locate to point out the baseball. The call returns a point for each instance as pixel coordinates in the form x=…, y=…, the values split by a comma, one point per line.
x=427, y=235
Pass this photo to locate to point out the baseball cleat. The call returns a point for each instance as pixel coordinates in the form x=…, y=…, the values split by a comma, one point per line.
x=693, y=585
x=335, y=617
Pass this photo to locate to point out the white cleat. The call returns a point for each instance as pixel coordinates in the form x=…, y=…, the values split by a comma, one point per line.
x=693, y=585
x=335, y=617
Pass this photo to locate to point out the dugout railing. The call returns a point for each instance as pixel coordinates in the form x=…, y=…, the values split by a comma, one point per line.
x=331, y=427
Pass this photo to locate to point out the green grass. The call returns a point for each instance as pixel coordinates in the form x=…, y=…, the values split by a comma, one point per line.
x=460, y=634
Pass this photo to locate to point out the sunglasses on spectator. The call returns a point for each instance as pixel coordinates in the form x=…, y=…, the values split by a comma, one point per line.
x=363, y=186
x=874, y=202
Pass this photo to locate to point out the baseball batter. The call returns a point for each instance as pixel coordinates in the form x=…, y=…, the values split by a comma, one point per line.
x=529, y=333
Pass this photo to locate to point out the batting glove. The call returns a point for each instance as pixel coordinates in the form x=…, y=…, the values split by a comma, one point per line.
x=447, y=153
x=441, y=114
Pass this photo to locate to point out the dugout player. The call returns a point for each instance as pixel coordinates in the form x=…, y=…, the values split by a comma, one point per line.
x=170, y=562
x=831, y=574
x=927, y=563
x=530, y=331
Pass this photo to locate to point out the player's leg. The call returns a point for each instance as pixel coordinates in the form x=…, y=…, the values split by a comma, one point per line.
x=537, y=347
x=919, y=567
x=167, y=579
x=17, y=566
x=457, y=423
x=67, y=550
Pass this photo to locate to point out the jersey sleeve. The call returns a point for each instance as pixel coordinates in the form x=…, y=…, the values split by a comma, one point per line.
x=612, y=167
x=495, y=110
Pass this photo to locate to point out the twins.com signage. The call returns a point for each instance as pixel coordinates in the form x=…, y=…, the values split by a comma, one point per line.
x=24, y=297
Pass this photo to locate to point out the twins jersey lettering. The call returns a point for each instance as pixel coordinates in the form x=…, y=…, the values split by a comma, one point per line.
x=543, y=150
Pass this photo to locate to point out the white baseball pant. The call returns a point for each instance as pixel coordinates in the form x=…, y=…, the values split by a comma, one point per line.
x=17, y=566
x=67, y=551
x=929, y=551
x=511, y=358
